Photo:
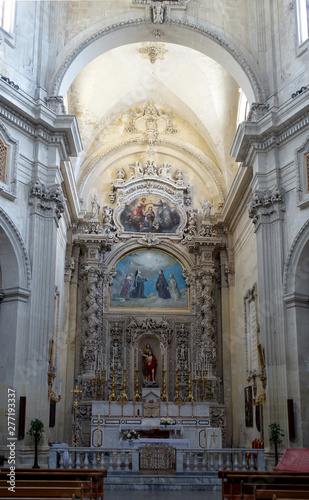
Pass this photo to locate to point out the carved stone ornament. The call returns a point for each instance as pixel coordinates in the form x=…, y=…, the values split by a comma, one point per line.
x=257, y=111
x=48, y=201
x=266, y=206
x=150, y=203
x=56, y=104
x=170, y=3
x=150, y=120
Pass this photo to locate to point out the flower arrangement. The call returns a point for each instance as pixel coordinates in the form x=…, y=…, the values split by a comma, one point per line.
x=167, y=421
x=130, y=435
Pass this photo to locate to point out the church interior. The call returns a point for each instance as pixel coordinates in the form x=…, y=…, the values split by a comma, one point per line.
x=154, y=233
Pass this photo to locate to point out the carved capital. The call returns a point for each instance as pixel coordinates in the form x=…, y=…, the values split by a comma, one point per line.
x=257, y=111
x=266, y=206
x=56, y=104
x=47, y=201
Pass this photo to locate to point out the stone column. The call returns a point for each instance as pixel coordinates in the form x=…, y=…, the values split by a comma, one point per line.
x=266, y=211
x=46, y=205
x=68, y=343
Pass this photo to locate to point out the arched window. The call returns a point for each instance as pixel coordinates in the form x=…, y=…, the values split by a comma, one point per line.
x=7, y=12
x=3, y=160
x=303, y=20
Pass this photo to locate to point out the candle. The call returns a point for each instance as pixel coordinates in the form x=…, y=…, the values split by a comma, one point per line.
x=125, y=357
x=99, y=435
x=60, y=386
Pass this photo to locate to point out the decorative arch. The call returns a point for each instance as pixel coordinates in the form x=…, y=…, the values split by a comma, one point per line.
x=217, y=47
x=199, y=157
x=294, y=267
x=168, y=246
x=22, y=271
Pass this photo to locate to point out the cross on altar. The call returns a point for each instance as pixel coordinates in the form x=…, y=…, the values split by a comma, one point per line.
x=214, y=436
x=76, y=391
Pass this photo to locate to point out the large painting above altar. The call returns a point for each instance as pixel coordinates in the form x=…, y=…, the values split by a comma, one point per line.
x=150, y=214
x=149, y=279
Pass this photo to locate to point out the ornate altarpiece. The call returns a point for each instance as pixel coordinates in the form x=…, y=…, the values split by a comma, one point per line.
x=183, y=339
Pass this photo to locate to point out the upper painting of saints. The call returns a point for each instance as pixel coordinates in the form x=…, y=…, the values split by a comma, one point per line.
x=150, y=214
x=149, y=279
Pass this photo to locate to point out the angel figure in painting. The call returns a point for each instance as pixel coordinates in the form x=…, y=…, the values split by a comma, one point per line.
x=151, y=365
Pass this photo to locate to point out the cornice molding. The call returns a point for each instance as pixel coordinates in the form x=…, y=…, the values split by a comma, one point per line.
x=38, y=121
x=273, y=129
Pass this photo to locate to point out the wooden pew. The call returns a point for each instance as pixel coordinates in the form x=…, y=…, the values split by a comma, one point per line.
x=233, y=482
x=47, y=492
x=298, y=496
x=269, y=494
x=55, y=475
x=250, y=489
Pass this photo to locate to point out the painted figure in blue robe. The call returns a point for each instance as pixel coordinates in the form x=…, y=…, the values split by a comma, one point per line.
x=139, y=290
x=162, y=286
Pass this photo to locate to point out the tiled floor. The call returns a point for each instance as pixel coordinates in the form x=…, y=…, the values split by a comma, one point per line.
x=161, y=495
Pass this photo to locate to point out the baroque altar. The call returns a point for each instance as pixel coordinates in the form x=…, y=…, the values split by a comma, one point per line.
x=149, y=269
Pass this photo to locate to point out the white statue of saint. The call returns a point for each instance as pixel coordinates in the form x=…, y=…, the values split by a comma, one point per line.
x=95, y=206
x=206, y=207
x=136, y=169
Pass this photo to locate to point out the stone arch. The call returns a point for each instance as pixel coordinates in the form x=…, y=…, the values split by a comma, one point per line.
x=167, y=246
x=202, y=160
x=297, y=263
x=296, y=290
x=15, y=291
x=16, y=259
x=204, y=39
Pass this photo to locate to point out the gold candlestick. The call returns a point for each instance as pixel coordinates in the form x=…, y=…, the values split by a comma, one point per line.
x=202, y=381
x=75, y=391
x=99, y=381
x=113, y=395
x=190, y=397
x=124, y=397
x=164, y=395
x=177, y=397
x=137, y=396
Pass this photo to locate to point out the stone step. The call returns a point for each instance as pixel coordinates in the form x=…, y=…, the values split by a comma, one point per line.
x=207, y=482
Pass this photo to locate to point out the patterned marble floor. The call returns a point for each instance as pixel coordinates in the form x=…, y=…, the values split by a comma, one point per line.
x=161, y=495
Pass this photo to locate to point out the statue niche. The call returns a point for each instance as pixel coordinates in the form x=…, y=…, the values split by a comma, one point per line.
x=146, y=374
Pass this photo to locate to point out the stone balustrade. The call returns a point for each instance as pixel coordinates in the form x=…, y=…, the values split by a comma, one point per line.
x=120, y=462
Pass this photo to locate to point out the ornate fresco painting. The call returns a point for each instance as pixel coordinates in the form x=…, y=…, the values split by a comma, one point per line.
x=149, y=279
x=150, y=214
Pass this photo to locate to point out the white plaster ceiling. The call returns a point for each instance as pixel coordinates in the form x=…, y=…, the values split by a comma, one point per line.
x=201, y=96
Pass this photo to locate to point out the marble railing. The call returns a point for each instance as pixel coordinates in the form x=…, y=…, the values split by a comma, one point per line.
x=187, y=461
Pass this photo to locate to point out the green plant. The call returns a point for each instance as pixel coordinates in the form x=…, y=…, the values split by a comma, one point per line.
x=275, y=434
x=36, y=430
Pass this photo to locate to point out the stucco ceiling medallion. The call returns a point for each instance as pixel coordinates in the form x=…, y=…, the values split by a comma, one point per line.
x=151, y=121
x=153, y=51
